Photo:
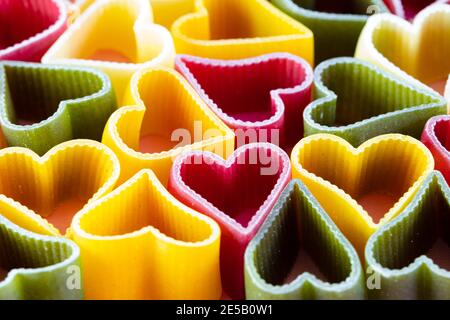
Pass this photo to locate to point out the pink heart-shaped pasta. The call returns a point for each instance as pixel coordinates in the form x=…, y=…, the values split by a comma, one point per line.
x=237, y=193
x=29, y=27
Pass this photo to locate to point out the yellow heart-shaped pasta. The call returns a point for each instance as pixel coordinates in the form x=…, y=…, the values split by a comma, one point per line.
x=166, y=118
x=416, y=52
x=235, y=29
x=363, y=188
x=147, y=246
x=42, y=194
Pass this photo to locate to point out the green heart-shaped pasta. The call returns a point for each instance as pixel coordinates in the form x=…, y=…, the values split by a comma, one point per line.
x=357, y=101
x=37, y=267
x=401, y=255
x=336, y=32
x=298, y=224
x=42, y=105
